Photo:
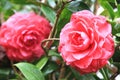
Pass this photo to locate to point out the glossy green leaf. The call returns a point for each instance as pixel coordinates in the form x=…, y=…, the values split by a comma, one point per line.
x=113, y=1
x=118, y=7
x=49, y=68
x=109, y=8
x=8, y=13
x=30, y=71
x=5, y=5
x=52, y=3
x=117, y=27
x=4, y=73
x=117, y=64
x=42, y=62
x=53, y=53
x=48, y=12
x=105, y=13
x=116, y=56
x=75, y=6
x=82, y=77
x=114, y=31
x=64, y=19
x=21, y=1
x=118, y=34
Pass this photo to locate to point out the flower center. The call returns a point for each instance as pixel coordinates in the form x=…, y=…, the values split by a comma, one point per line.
x=79, y=40
x=29, y=40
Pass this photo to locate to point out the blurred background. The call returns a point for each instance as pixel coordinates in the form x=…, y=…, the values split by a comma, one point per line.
x=48, y=8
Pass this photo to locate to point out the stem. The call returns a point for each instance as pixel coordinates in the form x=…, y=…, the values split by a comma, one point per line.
x=66, y=78
x=1, y=18
x=114, y=76
x=96, y=6
x=53, y=76
x=62, y=71
x=50, y=77
x=105, y=75
x=113, y=69
x=46, y=40
x=52, y=33
x=56, y=20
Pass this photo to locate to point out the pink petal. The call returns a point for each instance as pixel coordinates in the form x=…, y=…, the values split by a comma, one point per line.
x=80, y=55
x=83, y=63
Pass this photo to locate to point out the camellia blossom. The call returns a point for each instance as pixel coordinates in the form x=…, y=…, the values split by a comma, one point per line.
x=86, y=42
x=21, y=35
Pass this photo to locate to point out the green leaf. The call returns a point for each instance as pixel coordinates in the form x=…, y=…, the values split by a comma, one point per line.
x=116, y=56
x=8, y=13
x=42, y=62
x=118, y=34
x=75, y=6
x=53, y=53
x=21, y=2
x=109, y=8
x=30, y=71
x=49, y=68
x=64, y=19
x=113, y=23
x=104, y=72
x=117, y=27
x=76, y=74
x=82, y=77
x=6, y=5
x=118, y=7
x=52, y=3
x=113, y=1
x=117, y=64
x=105, y=13
x=48, y=12
x=4, y=72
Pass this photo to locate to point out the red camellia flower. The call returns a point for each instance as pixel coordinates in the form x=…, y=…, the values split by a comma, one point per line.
x=21, y=35
x=86, y=42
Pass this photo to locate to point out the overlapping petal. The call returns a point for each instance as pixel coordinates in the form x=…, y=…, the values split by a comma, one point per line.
x=22, y=34
x=89, y=44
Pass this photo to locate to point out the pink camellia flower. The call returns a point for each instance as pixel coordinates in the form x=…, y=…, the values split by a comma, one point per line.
x=21, y=35
x=86, y=42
